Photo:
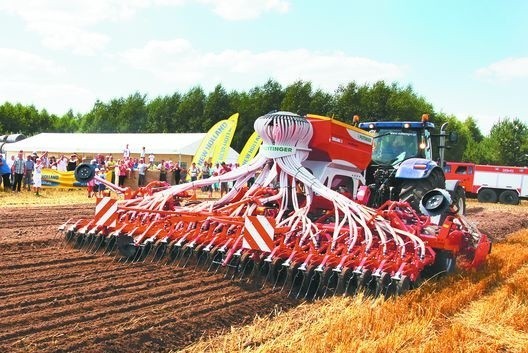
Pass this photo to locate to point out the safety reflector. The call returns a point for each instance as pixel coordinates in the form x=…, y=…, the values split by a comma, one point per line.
x=106, y=212
x=259, y=233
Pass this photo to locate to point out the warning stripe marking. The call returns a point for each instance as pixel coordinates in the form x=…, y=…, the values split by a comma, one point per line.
x=106, y=212
x=259, y=233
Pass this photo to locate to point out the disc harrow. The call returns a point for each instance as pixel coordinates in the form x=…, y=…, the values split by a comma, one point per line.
x=278, y=232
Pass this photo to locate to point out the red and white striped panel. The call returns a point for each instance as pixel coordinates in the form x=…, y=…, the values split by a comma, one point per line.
x=259, y=233
x=106, y=212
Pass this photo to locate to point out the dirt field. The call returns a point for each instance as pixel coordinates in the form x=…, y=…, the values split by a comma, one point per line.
x=57, y=299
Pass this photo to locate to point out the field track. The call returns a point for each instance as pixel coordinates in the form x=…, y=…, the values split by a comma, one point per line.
x=55, y=298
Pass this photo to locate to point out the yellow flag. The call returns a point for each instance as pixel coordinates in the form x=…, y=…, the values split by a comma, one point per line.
x=250, y=148
x=221, y=146
x=210, y=140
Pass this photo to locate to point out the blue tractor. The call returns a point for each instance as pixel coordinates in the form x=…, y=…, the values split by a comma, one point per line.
x=403, y=167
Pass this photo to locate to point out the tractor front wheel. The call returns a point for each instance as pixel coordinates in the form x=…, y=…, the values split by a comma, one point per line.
x=412, y=190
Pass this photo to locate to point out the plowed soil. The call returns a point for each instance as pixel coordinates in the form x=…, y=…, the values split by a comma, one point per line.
x=58, y=299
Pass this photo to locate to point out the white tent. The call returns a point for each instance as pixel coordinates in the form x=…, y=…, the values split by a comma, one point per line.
x=88, y=144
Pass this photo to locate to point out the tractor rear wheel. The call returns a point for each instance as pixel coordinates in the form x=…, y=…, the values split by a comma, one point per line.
x=412, y=190
x=487, y=195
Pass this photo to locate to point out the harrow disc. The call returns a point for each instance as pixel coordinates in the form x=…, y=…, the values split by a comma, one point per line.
x=126, y=246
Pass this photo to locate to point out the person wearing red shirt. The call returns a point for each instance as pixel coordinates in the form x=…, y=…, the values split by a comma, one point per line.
x=123, y=170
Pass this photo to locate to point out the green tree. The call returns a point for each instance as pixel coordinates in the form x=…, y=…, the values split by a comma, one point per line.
x=162, y=114
x=297, y=98
x=474, y=131
x=454, y=151
x=321, y=103
x=130, y=114
x=510, y=140
x=347, y=102
x=217, y=107
x=191, y=111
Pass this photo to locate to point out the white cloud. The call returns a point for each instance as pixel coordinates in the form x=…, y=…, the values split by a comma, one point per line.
x=65, y=24
x=506, y=69
x=55, y=98
x=246, y=9
x=18, y=64
x=69, y=24
x=31, y=79
x=176, y=61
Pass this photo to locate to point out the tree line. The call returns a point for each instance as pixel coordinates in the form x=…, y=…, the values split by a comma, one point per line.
x=197, y=110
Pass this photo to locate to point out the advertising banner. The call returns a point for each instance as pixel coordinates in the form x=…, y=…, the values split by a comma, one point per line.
x=250, y=149
x=214, y=134
x=52, y=178
x=221, y=147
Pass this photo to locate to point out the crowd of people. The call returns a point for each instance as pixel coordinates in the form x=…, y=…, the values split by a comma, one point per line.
x=20, y=172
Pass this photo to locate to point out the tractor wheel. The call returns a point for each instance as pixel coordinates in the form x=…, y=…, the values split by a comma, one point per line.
x=460, y=200
x=413, y=190
x=487, y=195
x=509, y=197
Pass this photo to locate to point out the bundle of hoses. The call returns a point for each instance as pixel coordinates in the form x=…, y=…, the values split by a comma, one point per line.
x=288, y=130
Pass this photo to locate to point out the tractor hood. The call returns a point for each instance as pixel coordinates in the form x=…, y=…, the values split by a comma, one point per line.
x=415, y=168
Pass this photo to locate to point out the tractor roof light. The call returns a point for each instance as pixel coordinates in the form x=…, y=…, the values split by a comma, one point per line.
x=372, y=126
x=425, y=118
x=406, y=126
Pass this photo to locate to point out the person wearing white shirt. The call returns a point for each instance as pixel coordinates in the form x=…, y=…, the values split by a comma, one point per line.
x=62, y=164
x=126, y=152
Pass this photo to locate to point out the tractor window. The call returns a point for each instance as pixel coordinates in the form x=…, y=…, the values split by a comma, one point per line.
x=393, y=146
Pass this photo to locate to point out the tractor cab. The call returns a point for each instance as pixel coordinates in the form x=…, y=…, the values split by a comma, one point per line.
x=395, y=142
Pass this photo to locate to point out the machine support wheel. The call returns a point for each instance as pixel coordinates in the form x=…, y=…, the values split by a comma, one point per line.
x=445, y=263
x=413, y=190
x=460, y=200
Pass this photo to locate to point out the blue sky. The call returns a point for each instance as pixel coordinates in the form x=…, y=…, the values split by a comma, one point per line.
x=468, y=58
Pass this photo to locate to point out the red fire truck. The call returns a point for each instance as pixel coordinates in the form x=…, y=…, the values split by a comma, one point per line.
x=490, y=183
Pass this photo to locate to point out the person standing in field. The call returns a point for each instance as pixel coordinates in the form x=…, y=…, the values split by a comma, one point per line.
x=29, y=166
x=224, y=188
x=176, y=173
x=18, y=170
x=126, y=153
x=152, y=158
x=37, y=177
x=10, y=163
x=123, y=170
x=162, y=171
x=206, y=173
x=5, y=172
x=142, y=170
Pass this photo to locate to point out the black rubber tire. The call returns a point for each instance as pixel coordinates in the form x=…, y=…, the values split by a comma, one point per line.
x=509, y=197
x=84, y=172
x=460, y=200
x=412, y=190
x=445, y=263
x=487, y=196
